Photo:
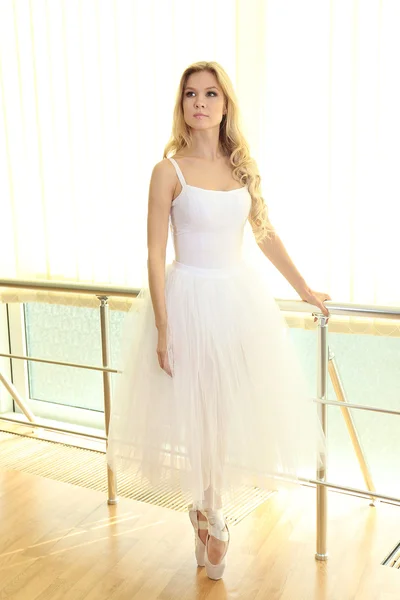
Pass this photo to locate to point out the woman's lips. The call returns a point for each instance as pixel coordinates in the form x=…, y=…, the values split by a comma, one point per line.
x=200, y=116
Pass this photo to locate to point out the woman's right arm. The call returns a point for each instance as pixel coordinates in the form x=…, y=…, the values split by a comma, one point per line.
x=162, y=185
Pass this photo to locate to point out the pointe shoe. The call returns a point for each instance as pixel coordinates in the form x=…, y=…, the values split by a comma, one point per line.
x=218, y=527
x=199, y=546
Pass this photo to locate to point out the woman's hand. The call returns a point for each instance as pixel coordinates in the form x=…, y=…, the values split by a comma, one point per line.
x=316, y=299
x=162, y=352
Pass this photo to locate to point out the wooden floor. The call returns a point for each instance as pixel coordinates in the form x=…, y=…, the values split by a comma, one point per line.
x=62, y=542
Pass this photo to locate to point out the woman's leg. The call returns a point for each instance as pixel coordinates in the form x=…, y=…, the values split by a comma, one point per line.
x=214, y=514
x=212, y=502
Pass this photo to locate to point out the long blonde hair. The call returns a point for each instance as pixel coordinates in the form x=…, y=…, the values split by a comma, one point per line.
x=232, y=142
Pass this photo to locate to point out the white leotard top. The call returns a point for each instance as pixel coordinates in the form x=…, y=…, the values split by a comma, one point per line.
x=207, y=225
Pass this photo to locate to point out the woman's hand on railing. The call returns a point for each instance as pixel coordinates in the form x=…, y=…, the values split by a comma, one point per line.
x=316, y=299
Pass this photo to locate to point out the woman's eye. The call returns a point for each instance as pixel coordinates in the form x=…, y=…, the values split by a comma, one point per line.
x=215, y=94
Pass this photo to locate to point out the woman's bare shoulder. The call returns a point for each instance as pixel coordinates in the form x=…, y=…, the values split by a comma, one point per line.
x=163, y=172
x=163, y=166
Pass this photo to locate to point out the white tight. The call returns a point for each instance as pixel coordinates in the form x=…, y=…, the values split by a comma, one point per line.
x=212, y=500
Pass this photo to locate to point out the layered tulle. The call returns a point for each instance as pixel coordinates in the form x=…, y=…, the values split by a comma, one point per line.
x=235, y=411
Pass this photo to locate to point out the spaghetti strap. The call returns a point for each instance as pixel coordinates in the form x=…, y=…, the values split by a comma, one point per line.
x=178, y=171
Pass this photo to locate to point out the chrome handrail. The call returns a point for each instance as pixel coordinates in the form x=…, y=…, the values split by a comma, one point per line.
x=59, y=362
x=335, y=308
x=70, y=287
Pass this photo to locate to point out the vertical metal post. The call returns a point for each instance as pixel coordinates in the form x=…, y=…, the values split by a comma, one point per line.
x=105, y=350
x=322, y=385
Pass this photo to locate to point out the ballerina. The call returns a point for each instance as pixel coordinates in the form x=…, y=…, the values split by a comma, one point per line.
x=211, y=396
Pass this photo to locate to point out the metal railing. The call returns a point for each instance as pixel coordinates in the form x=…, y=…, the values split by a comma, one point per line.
x=326, y=364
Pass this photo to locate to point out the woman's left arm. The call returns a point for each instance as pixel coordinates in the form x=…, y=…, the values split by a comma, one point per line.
x=276, y=252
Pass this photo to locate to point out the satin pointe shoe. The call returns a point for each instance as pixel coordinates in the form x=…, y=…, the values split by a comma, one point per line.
x=218, y=527
x=199, y=546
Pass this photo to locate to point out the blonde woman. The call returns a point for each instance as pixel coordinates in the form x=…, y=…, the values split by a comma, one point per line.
x=211, y=397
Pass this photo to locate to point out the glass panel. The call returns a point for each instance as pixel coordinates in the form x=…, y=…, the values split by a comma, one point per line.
x=72, y=334
x=369, y=369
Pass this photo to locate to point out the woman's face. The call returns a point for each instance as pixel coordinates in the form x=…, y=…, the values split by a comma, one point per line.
x=202, y=94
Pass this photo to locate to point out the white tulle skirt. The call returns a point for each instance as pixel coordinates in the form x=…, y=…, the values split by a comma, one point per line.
x=235, y=412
